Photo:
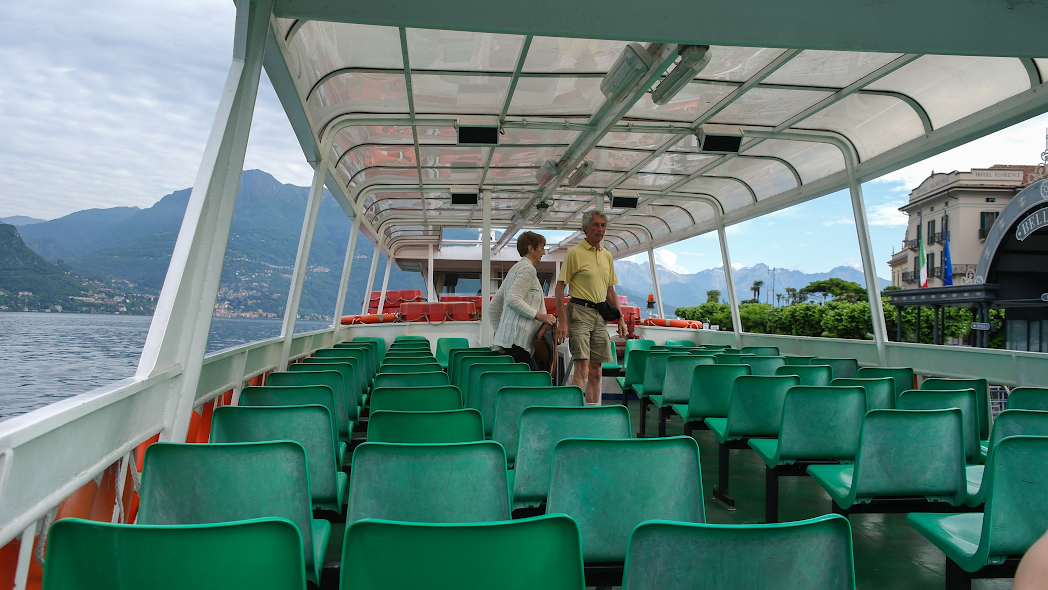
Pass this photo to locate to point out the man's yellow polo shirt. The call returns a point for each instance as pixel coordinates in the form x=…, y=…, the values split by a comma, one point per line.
x=588, y=272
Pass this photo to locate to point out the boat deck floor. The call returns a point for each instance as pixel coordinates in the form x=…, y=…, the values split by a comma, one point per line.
x=889, y=554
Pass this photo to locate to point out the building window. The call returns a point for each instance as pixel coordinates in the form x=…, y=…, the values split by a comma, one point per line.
x=991, y=199
x=931, y=262
x=930, y=236
x=986, y=221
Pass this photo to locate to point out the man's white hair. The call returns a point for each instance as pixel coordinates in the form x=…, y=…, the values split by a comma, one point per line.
x=587, y=217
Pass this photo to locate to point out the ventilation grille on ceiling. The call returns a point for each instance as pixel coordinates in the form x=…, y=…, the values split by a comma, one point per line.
x=624, y=201
x=464, y=198
x=478, y=135
x=715, y=143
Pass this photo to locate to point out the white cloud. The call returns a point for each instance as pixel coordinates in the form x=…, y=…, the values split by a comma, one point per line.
x=692, y=253
x=736, y=265
x=856, y=264
x=668, y=260
x=840, y=221
x=888, y=215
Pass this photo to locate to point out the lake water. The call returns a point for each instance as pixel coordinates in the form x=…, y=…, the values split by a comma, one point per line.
x=49, y=356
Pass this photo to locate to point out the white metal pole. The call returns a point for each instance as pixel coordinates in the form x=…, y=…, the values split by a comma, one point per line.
x=429, y=277
x=239, y=367
x=553, y=283
x=347, y=266
x=179, y=329
x=655, y=281
x=385, y=283
x=25, y=556
x=729, y=280
x=485, y=270
x=873, y=291
x=371, y=281
x=298, y=275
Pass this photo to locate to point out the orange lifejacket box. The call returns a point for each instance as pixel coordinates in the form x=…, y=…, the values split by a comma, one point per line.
x=455, y=311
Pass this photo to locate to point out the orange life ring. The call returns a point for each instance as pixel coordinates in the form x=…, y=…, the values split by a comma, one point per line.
x=371, y=318
x=672, y=323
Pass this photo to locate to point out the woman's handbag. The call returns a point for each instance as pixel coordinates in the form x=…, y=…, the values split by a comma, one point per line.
x=545, y=348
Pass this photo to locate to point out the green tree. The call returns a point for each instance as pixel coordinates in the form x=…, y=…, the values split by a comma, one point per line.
x=847, y=320
x=708, y=313
x=756, y=289
x=756, y=317
x=801, y=319
x=840, y=289
x=713, y=296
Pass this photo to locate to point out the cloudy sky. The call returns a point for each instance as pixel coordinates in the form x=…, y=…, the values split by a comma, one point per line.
x=109, y=104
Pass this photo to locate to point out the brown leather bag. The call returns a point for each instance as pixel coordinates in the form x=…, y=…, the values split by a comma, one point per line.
x=546, y=348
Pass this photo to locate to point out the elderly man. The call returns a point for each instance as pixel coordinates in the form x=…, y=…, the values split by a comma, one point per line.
x=589, y=273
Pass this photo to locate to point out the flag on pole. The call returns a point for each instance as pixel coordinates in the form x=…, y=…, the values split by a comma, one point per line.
x=947, y=266
x=922, y=265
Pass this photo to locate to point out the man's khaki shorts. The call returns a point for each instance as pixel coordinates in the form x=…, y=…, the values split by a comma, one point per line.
x=587, y=334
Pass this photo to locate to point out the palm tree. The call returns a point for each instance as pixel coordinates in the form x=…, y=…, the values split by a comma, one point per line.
x=713, y=296
x=756, y=288
x=791, y=295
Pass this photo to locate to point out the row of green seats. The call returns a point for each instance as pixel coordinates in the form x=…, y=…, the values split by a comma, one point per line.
x=84, y=555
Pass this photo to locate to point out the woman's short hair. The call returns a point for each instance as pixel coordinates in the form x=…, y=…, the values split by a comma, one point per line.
x=529, y=238
x=587, y=217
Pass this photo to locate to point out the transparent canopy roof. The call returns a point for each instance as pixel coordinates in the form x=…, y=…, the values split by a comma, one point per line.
x=384, y=105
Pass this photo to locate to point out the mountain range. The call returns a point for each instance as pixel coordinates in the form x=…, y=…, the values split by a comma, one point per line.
x=133, y=246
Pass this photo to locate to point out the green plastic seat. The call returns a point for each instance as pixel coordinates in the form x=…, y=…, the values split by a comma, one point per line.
x=393, y=359
x=684, y=343
x=371, y=353
x=91, y=555
x=348, y=367
x=332, y=379
x=902, y=453
x=710, y=395
x=379, y=342
x=635, y=362
x=614, y=364
x=408, y=338
x=843, y=368
x=469, y=380
x=761, y=350
x=880, y=391
x=490, y=383
x=654, y=379
x=302, y=395
x=358, y=354
x=680, y=371
x=412, y=379
x=717, y=346
x=437, y=398
x=463, y=363
x=449, y=426
x=383, y=555
x=1028, y=398
x=799, y=360
x=1008, y=423
x=446, y=345
x=309, y=426
x=457, y=353
x=724, y=358
x=702, y=352
x=814, y=554
x=1014, y=517
x=510, y=403
x=982, y=397
x=635, y=344
x=587, y=469
x=410, y=345
x=185, y=483
x=410, y=367
x=964, y=399
x=903, y=377
x=463, y=482
x=763, y=365
x=816, y=375
x=541, y=428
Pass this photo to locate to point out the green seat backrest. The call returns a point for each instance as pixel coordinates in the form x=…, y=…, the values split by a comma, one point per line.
x=880, y=391
x=614, y=363
x=449, y=426
x=1014, y=516
x=379, y=342
x=655, y=372
x=437, y=398
x=842, y=368
x=465, y=362
x=684, y=343
x=408, y=338
x=358, y=354
x=982, y=397
x=703, y=352
x=446, y=345
x=469, y=380
x=809, y=375
x=911, y=453
x=427, y=379
x=348, y=367
x=813, y=554
x=541, y=428
x=333, y=379
x=756, y=405
x=1018, y=423
x=510, y=403
x=903, y=377
x=410, y=346
x=396, y=359
x=717, y=346
x=89, y=555
x=821, y=422
x=635, y=344
x=763, y=365
x=463, y=556
x=309, y=426
x=490, y=383
x=585, y=469
x=297, y=395
x=724, y=358
x=184, y=483
x=1028, y=398
x=680, y=370
x=949, y=398
x=711, y=387
x=636, y=362
x=761, y=350
x=463, y=482
x=371, y=353
x=799, y=360
x=394, y=366
x=458, y=353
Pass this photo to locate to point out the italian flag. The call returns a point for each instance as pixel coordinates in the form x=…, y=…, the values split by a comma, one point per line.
x=922, y=265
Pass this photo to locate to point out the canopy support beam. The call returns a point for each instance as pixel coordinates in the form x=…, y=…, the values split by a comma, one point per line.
x=298, y=275
x=385, y=283
x=347, y=267
x=430, y=295
x=485, y=270
x=655, y=281
x=729, y=282
x=371, y=282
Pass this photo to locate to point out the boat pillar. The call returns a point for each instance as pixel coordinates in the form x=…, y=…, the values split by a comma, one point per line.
x=729, y=281
x=343, y=286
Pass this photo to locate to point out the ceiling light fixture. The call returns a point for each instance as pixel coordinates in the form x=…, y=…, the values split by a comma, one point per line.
x=547, y=173
x=693, y=58
x=629, y=69
x=541, y=211
x=581, y=174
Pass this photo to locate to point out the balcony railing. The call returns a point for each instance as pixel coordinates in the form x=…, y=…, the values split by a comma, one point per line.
x=935, y=271
x=983, y=232
x=909, y=277
x=960, y=269
x=911, y=245
x=937, y=237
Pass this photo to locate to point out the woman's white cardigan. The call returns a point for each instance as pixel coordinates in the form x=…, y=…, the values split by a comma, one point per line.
x=514, y=307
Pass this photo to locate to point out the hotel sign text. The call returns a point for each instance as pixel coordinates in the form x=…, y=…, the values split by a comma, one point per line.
x=1034, y=222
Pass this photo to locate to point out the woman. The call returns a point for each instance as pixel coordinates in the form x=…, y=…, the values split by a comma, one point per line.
x=518, y=309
